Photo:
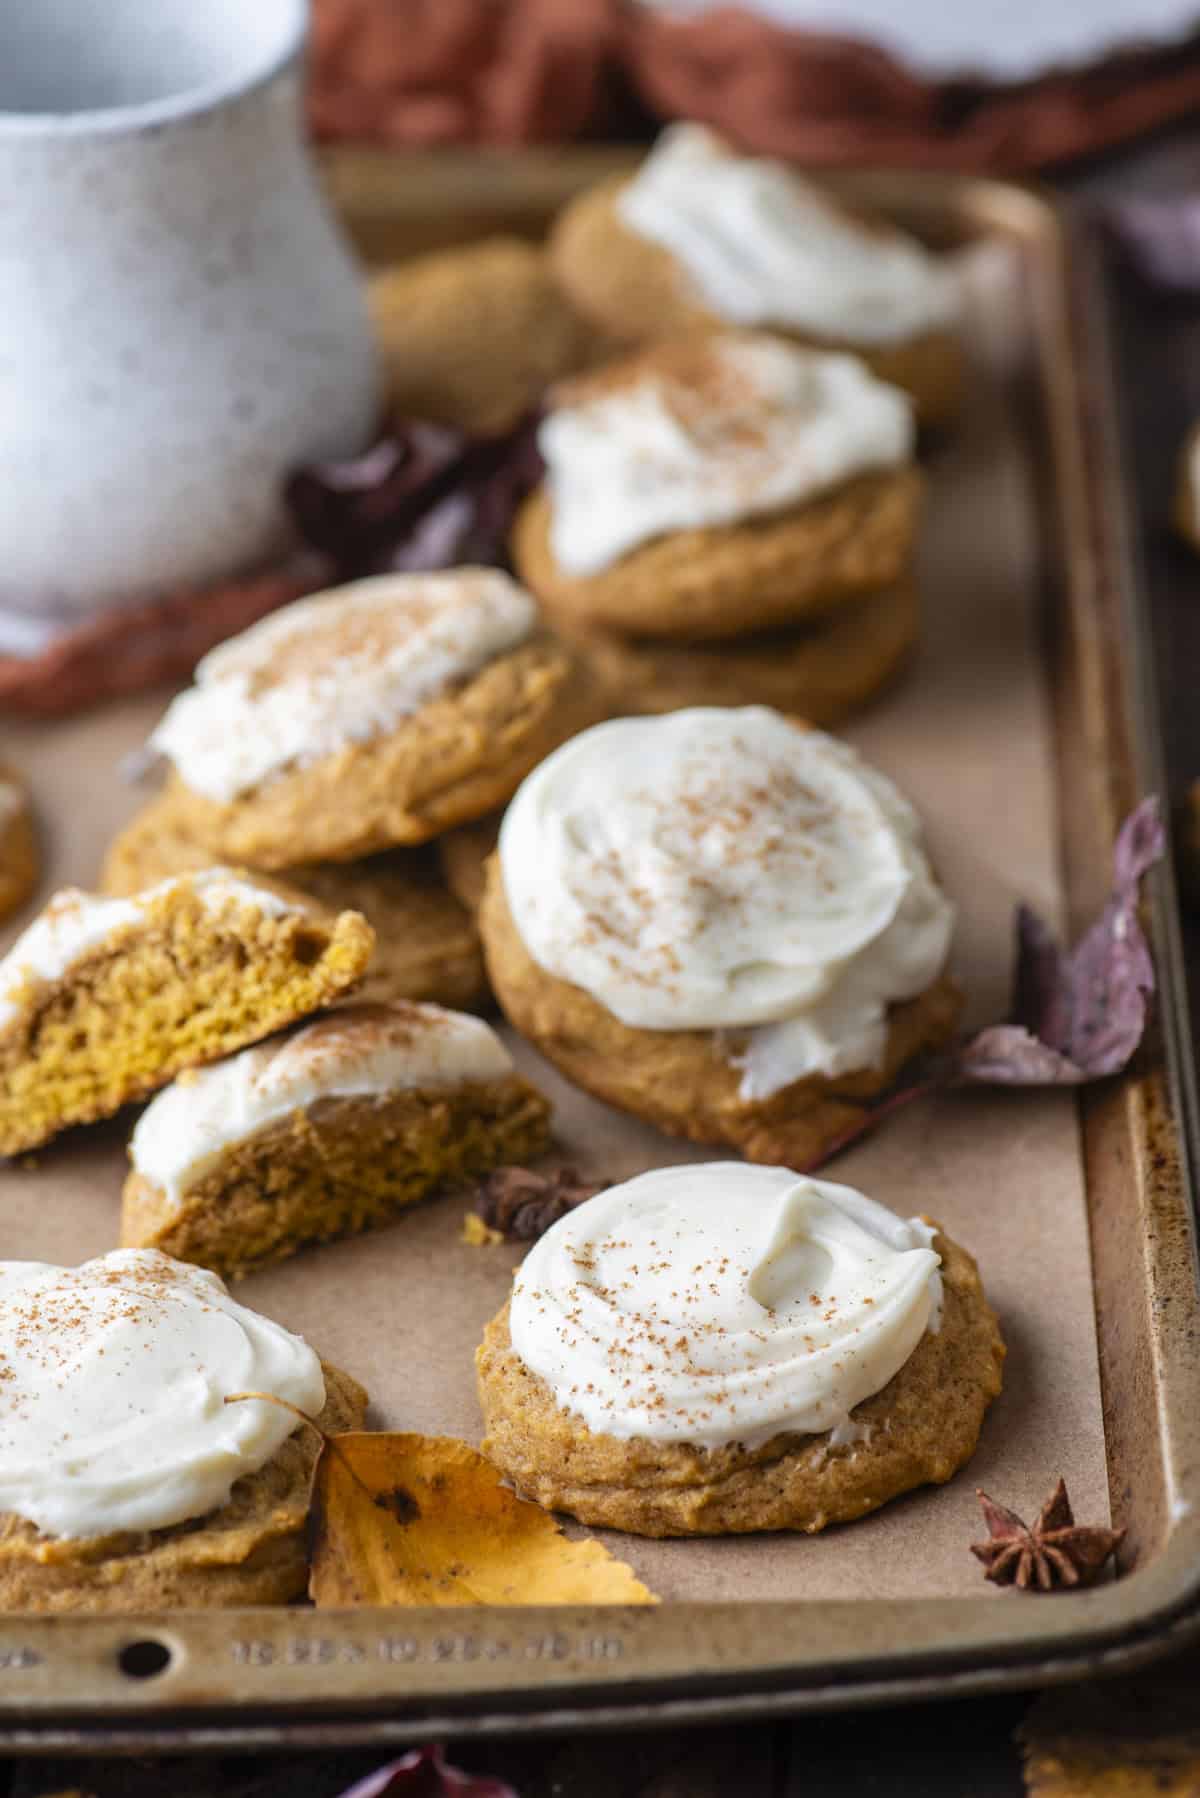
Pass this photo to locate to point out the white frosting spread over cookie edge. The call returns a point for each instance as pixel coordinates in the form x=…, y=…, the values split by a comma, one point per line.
x=725, y=869
x=339, y=668
x=768, y=425
x=112, y=1413
x=724, y=1303
x=74, y=923
x=762, y=245
x=360, y=1051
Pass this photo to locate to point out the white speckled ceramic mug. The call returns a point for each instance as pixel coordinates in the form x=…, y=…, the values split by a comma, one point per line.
x=180, y=321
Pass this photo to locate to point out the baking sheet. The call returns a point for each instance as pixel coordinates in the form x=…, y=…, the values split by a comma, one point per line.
x=968, y=736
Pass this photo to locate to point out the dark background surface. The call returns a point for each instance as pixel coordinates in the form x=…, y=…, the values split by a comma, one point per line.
x=929, y=1751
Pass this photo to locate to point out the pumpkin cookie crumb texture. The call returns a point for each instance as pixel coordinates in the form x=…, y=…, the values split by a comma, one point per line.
x=426, y=943
x=370, y=717
x=721, y=1349
x=122, y=1486
x=103, y=1000
x=333, y=1129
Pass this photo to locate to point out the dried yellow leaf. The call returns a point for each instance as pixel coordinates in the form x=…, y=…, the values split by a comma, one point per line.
x=416, y=1520
x=477, y=1234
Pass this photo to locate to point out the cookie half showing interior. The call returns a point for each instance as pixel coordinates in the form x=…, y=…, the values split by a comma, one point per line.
x=723, y=922
x=702, y=237
x=370, y=717
x=823, y=672
x=426, y=943
x=718, y=485
x=330, y=1130
x=126, y=1484
x=20, y=863
x=104, y=1000
x=718, y=1349
x=473, y=336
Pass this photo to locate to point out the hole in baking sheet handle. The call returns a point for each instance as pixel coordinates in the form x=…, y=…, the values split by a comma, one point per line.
x=144, y=1660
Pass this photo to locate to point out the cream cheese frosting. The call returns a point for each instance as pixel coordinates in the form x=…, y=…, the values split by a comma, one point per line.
x=336, y=669
x=74, y=923
x=728, y=870
x=761, y=245
x=724, y=1303
x=361, y=1051
x=115, y=1373
x=724, y=428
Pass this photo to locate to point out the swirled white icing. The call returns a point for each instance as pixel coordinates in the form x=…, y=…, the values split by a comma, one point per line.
x=761, y=245
x=74, y=923
x=728, y=870
x=115, y=1373
x=724, y=1303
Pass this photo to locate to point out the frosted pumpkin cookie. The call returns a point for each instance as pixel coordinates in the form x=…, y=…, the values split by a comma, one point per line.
x=103, y=1000
x=366, y=718
x=702, y=235
x=329, y=1130
x=823, y=671
x=473, y=336
x=426, y=943
x=20, y=864
x=711, y=1350
x=718, y=485
x=722, y=922
x=126, y=1484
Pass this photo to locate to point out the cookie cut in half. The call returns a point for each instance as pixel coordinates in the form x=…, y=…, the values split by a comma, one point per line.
x=332, y=1129
x=719, y=485
x=369, y=717
x=20, y=863
x=104, y=1000
x=126, y=1482
x=716, y=1349
x=426, y=943
x=702, y=236
x=723, y=922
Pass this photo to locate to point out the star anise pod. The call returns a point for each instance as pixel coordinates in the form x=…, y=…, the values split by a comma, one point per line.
x=522, y=1205
x=1055, y=1552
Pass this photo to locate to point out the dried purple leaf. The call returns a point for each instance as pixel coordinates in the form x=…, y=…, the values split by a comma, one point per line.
x=425, y=1773
x=1078, y=1014
x=427, y=496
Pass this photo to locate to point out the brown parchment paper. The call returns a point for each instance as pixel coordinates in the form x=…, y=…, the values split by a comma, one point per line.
x=967, y=735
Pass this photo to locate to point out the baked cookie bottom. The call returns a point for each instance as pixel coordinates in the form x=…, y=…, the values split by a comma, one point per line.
x=683, y=1081
x=180, y=987
x=635, y=292
x=761, y=574
x=919, y=1430
x=472, y=337
x=822, y=673
x=460, y=756
x=20, y=863
x=426, y=943
x=342, y=1166
x=251, y=1551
